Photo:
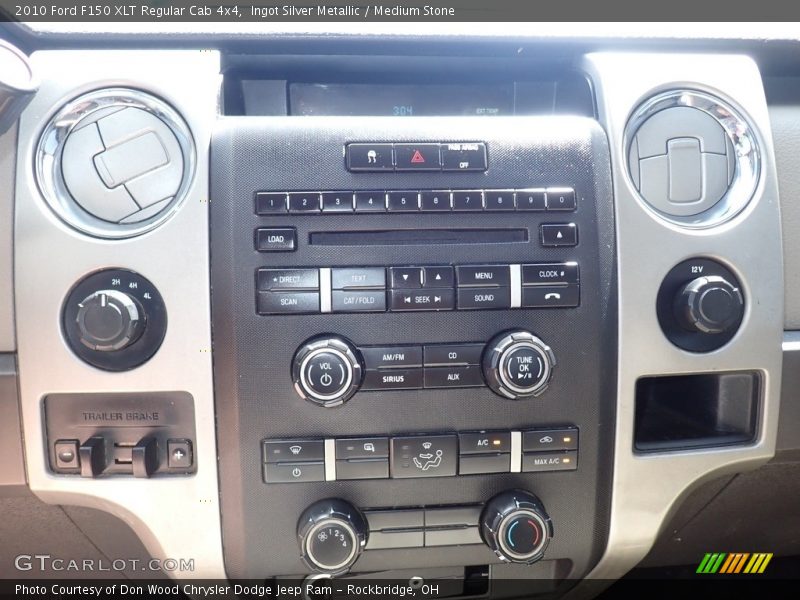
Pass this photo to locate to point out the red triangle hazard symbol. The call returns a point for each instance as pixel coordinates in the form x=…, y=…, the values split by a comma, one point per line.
x=417, y=158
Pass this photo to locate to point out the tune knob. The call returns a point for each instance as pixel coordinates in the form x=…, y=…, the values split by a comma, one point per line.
x=516, y=527
x=518, y=364
x=332, y=534
x=109, y=320
x=709, y=304
x=327, y=371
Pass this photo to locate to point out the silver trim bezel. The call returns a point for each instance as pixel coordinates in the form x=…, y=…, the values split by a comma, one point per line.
x=338, y=523
x=742, y=136
x=47, y=161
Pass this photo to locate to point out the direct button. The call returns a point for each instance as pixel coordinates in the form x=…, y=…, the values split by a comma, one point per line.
x=325, y=374
x=417, y=157
x=276, y=239
x=282, y=279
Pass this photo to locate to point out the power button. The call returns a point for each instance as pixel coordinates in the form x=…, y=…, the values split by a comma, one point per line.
x=326, y=371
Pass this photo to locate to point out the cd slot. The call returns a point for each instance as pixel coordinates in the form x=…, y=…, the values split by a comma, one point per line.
x=418, y=237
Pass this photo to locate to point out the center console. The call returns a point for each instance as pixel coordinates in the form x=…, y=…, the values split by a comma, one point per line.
x=413, y=320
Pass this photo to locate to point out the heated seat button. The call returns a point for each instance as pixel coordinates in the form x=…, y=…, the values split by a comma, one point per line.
x=424, y=456
x=464, y=157
x=453, y=377
x=559, y=234
x=276, y=451
x=417, y=157
x=276, y=239
x=369, y=157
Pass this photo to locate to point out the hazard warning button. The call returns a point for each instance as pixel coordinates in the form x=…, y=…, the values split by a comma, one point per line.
x=417, y=157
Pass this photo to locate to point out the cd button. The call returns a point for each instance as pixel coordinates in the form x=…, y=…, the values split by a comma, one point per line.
x=453, y=354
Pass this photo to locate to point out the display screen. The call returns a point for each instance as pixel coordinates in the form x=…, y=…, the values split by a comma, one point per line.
x=420, y=100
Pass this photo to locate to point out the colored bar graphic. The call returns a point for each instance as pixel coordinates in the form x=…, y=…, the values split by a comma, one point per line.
x=734, y=563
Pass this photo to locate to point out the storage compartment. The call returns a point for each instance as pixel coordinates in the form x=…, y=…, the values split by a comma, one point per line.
x=694, y=411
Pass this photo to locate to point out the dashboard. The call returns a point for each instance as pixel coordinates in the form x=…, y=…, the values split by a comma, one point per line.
x=477, y=309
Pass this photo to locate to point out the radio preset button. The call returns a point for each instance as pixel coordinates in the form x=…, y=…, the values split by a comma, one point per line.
x=498, y=200
x=468, y=200
x=304, y=202
x=338, y=202
x=434, y=201
x=374, y=201
x=530, y=200
x=393, y=379
x=402, y=201
x=271, y=203
x=560, y=199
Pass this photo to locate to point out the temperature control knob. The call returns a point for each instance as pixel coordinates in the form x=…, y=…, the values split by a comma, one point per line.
x=109, y=320
x=518, y=364
x=332, y=534
x=516, y=527
x=327, y=371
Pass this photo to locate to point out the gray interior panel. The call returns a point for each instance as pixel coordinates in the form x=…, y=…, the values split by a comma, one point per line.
x=12, y=465
x=8, y=162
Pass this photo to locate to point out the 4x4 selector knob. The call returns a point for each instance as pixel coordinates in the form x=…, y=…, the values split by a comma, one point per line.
x=516, y=527
x=327, y=371
x=109, y=320
x=517, y=364
x=332, y=534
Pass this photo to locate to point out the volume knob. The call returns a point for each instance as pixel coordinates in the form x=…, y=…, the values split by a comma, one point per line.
x=327, y=371
x=109, y=320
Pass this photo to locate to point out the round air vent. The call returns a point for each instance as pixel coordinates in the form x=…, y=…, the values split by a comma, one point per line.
x=115, y=163
x=693, y=158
